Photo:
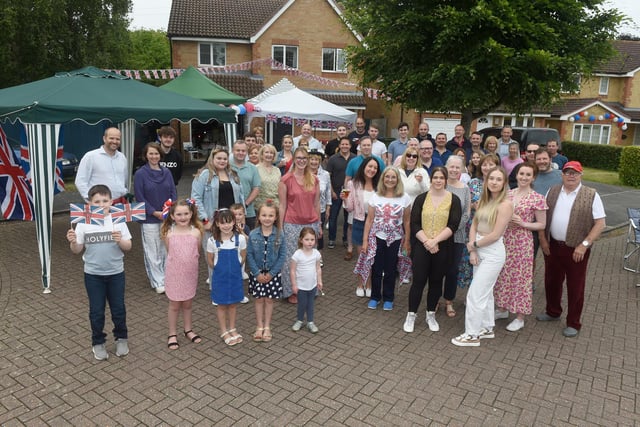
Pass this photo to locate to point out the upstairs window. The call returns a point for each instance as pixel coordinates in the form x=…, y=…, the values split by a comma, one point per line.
x=604, y=86
x=333, y=60
x=287, y=55
x=213, y=54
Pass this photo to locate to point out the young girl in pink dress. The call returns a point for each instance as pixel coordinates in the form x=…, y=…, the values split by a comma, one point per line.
x=182, y=234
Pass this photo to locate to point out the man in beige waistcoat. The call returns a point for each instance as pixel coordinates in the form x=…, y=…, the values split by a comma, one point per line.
x=575, y=220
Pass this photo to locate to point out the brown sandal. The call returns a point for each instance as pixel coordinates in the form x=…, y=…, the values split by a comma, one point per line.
x=348, y=256
x=449, y=309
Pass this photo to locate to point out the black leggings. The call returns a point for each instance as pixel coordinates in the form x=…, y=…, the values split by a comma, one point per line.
x=431, y=267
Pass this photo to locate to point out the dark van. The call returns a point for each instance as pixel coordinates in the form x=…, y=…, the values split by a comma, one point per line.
x=524, y=135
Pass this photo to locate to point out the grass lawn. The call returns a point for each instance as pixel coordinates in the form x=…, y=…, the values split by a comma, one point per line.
x=602, y=176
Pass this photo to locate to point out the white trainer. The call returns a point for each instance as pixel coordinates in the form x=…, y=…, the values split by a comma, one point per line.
x=516, y=325
x=432, y=322
x=409, y=322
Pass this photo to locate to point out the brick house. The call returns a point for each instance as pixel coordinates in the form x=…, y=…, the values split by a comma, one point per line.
x=305, y=35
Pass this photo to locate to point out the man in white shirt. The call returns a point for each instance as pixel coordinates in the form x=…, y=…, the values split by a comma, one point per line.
x=575, y=220
x=306, y=134
x=105, y=165
x=504, y=141
x=378, y=148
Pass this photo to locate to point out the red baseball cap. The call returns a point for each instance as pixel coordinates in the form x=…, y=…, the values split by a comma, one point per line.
x=575, y=165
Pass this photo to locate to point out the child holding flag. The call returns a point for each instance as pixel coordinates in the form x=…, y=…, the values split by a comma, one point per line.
x=104, y=281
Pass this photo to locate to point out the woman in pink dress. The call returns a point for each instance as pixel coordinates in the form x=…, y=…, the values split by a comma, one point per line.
x=513, y=289
x=182, y=233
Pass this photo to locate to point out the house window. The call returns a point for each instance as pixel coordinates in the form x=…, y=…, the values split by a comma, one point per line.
x=333, y=60
x=287, y=55
x=595, y=134
x=604, y=86
x=212, y=54
x=577, y=79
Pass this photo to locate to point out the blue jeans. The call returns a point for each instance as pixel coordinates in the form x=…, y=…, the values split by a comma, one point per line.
x=101, y=289
x=306, y=304
x=336, y=208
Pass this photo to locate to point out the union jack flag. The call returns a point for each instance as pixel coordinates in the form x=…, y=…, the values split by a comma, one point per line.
x=26, y=163
x=316, y=123
x=301, y=122
x=286, y=120
x=332, y=124
x=16, y=201
x=271, y=118
x=125, y=212
x=86, y=214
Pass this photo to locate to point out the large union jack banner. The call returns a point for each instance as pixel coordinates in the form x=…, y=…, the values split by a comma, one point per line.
x=125, y=212
x=16, y=201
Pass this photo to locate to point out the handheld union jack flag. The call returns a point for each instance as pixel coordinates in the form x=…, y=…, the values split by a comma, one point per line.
x=16, y=201
x=125, y=212
x=86, y=214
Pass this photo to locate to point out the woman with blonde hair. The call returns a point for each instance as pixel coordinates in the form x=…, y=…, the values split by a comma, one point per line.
x=491, y=146
x=415, y=178
x=487, y=255
x=269, y=175
x=299, y=194
x=385, y=246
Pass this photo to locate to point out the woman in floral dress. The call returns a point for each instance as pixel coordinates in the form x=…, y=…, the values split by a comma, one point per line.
x=513, y=289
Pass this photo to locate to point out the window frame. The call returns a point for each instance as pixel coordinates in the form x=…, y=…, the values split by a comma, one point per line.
x=337, y=54
x=582, y=128
x=285, y=48
x=211, y=54
x=604, y=91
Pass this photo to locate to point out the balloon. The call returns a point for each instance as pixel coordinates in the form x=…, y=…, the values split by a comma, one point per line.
x=614, y=119
x=624, y=127
x=577, y=117
x=235, y=108
x=572, y=119
x=620, y=123
x=607, y=116
x=583, y=113
x=592, y=118
x=249, y=107
x=257, y=109
x=586, y=113
x=243, y=110
x=600, y=118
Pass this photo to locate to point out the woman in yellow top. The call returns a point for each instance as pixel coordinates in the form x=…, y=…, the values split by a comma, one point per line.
x=434, y=219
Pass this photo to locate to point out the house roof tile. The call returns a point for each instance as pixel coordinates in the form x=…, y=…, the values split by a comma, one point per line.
x=343, y=99
x=240, y=84
x=627, y=59
x=227, y=19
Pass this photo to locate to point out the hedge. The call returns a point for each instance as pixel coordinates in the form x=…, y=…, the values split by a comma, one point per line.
x=606, y=157
x=630, y=166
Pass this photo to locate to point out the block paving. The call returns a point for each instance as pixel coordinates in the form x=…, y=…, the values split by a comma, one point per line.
x=360, y=369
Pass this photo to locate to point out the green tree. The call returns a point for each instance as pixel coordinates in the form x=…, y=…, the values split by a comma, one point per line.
x=474, y=56
x=41, y=37
x=149, y=50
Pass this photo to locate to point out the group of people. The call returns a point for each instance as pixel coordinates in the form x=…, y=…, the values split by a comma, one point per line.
x=415, y=211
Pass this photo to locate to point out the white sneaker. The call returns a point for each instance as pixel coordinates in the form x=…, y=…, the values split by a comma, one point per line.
x=245, y=300
x=367, y=292
x=486, y=334
x=431, y=321
x=359, y=292
x=465, y=340
x=122, y=347
x=312, y=328
x=409, y=322
x=516, y=325
x=160, y=290
x=501, y=314
x=297, y=326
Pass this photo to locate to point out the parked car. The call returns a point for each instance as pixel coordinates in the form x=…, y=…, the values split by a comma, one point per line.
x=68, y=165
x=524, y=135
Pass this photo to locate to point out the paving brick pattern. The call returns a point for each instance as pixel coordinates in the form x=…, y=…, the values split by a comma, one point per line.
x=361, y=369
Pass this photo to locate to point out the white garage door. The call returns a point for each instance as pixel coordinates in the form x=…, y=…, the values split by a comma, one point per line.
x=442, y=125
